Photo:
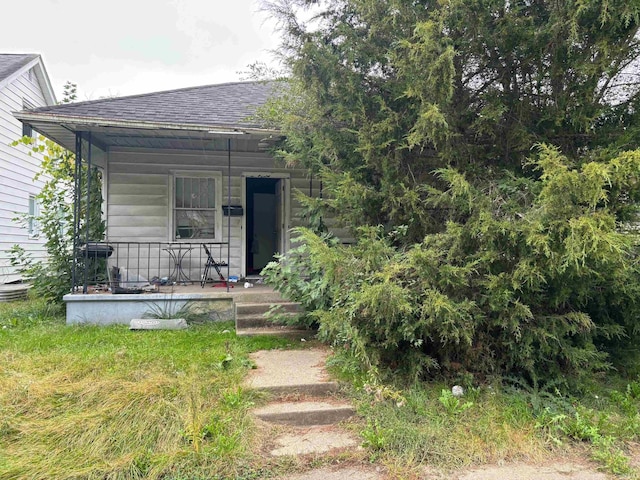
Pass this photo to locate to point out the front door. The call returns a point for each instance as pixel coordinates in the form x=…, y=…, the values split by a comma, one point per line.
x=264, y=222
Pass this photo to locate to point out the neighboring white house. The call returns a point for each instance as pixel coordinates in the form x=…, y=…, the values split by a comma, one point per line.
x=24, y=84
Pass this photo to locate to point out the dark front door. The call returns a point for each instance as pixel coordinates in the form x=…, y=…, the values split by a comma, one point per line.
x=263, y=205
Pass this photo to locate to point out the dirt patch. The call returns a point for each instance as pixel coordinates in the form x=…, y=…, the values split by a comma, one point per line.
x=634, y=454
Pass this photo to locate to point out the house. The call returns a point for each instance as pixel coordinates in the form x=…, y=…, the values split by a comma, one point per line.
x=24, y=84
x=182, y=169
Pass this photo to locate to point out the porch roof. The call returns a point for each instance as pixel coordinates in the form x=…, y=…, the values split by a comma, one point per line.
x=170, y=119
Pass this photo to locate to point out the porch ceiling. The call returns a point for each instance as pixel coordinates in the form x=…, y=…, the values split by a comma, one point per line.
x=146, y=135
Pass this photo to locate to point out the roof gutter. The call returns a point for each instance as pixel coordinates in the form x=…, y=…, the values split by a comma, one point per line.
x=102, y=122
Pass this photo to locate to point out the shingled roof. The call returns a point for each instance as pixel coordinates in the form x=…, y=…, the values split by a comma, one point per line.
x=12, y=62
x=225, y=105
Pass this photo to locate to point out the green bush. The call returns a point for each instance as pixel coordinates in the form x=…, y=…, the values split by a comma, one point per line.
x=530, y=277
x=51, y=278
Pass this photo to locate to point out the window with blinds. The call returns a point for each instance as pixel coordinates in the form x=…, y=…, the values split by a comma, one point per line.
x=194, y=207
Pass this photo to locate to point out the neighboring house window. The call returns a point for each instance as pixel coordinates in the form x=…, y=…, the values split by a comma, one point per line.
x=196, y=213
x=27, y=131
x=33, y=225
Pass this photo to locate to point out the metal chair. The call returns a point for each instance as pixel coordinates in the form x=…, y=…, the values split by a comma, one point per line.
x=216, y=265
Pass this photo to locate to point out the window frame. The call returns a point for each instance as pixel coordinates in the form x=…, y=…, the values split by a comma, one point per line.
x=33, y=224
x=216, y=176
x=27, y=129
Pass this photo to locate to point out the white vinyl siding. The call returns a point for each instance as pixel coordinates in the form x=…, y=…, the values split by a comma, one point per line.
x=140, y=185
x=17, y=169
x=138, y=206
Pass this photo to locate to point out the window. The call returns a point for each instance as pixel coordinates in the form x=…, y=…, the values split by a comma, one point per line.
x=27, y=130
x=196, y=211
x=33, y=225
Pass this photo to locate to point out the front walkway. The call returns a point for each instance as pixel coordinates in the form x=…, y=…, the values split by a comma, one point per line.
x=306, y=412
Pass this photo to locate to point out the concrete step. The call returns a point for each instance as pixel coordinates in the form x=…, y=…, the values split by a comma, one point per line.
x=323, y=389
x=256, y=295
x=338, y=472
x=246, y=308
x=288, y=372
x=253, y=314
x=302, y=414
x=281, y=330
x=257, y=320
x=313, y=440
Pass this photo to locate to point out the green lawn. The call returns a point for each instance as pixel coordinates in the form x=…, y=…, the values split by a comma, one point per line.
x=105, y=402
x=108, y=403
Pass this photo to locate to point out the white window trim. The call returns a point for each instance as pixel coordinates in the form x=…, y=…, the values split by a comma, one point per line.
x=216, y=175
x=33, y=225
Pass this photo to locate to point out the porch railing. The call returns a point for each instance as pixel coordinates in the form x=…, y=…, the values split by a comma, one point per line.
x=120, y=267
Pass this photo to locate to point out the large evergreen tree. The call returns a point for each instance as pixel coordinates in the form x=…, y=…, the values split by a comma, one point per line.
x=480, y=147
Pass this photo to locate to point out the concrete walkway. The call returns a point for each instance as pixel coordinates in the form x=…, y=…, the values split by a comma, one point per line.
x=307, y=409
x=345, y=473
x=283, y=372
x=555, y=471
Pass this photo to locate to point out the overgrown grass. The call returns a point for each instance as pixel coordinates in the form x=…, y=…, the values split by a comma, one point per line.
x=423, y=424
x=429, y=426
x=105, y=402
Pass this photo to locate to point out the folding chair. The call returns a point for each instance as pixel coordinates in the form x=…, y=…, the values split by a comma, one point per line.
x=212, y=263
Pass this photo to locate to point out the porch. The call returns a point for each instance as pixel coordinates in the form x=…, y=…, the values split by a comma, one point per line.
x=217, y=304
x=126, y=280
x=138, y=267
x=176, y=219
x=180, y=170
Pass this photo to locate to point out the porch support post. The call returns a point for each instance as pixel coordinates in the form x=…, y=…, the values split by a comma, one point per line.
x=228, y=210
x=87, y=217
x=76, y=210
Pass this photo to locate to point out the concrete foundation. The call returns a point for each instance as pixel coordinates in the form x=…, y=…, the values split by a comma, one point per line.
x=106, y=309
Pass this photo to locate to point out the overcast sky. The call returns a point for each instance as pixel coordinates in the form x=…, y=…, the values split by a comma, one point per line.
x=125, y=47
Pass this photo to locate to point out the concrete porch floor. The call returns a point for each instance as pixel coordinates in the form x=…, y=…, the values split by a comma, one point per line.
x=236, y=290
x=217, y=290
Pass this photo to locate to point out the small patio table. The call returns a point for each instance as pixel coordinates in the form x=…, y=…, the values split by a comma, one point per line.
x=177, y=252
